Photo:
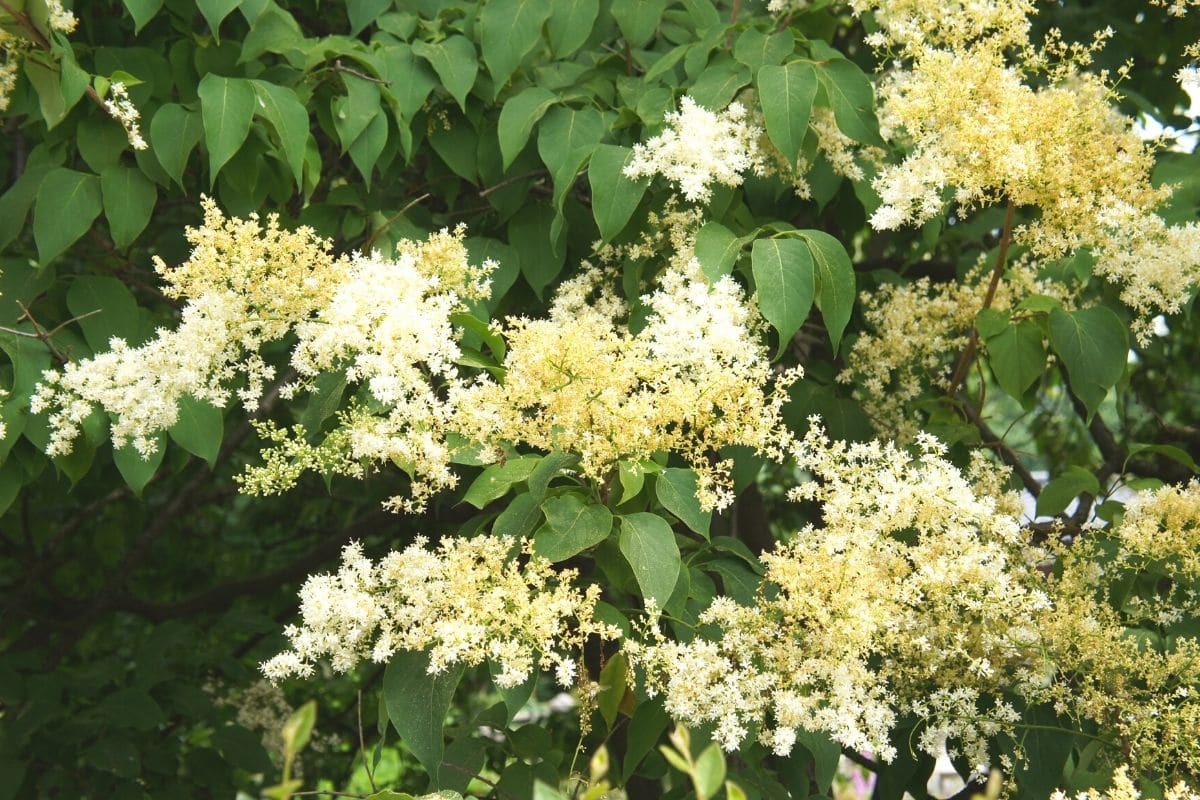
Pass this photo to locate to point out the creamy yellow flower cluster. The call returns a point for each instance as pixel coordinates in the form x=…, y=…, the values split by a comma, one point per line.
x=988, y=117
x=915, y=583
x=1123, y=788
x=693, y=379
x=387, y=323
x=14, y=47
x=1128, y=661
x=465, y=601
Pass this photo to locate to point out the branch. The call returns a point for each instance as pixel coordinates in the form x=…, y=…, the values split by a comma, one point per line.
x=1006, y=453
x=968, y=354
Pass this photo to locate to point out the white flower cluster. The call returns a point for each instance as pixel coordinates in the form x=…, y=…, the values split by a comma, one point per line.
x=917, y=581
x=699, y=148
x=121, y=108
x=467, y=601
x=1123, y=788
x=60, y=19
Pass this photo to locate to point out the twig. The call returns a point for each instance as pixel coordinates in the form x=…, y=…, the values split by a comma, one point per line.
x=968, y=354
x=339, y=67
x=370, y=243
x=510, y=181
x=42, y=334
x=1006, y=453
x=362, y=746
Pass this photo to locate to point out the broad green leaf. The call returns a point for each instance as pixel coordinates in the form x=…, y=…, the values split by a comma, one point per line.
x=129, y=199
x=566, y=137
x=410, y=79
x=835, y=282
x=1058, y=493
x=1092, y=344
x=717, y=250
x=100, y=142
x=353, y=112
x=709, y=773
x=106, y=308
x=549, y=468
x=571, y=23
x=495, y=481
x=645, y=729
x=757, y=49
x=214, y=11
x=174, y=133
x=826, y=755
x=638, y=19
x=787, y=95
x=280, y=107
x=1037, y=777
x=19, y=198
x=572, y=526
x=989, y=322
x=68, y=202
x=510, y=30
x=785, y=283
x=517, y=118
x=363, y=12
x=1176, y=454
x=648, y=544
x=632, y=478
x=46, y=78
x=227, y=107
x=369, y=146
x=417, y=703
x=142, y=11
x=273, y=31
x=676, y=490
x=516, y=697
x=1017, y=356
x=613, y=679
x=541, y=258
x=720, y=83
x=520, y=518
x=324, y=397
x=852, y=99
x=614, y=196
x=456, y=63
x=136, y=470
x=199, y=429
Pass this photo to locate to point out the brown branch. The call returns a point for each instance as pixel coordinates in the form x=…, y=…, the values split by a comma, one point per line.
x=370, y=243
x=968, y=354
x=997, y=444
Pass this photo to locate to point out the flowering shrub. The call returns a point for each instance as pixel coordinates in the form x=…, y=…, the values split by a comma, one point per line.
x=702, y=397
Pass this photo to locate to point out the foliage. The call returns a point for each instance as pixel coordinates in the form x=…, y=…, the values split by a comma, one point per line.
x=649, y=363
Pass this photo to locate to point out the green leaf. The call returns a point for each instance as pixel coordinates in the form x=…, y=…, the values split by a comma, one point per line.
x=720, y=83
x=174, y=133
x=515, y=697
x=632, y=478
x=410, y=79
x=614, y=196
x=852, y=99
x=541, y=258
x=572, y=526
x=353, y=112
x=363, y=12
x=299, y=727
x=129, y=199
x=645, y=728
x=709, y=773
x=1092, y=344
x=520, y=518
x=826, y=755
x=835, y=282
x=550, y=467
x=990, y=322
x=118, y=311
x=785, y=282
x=757, y=49
x=717, y=250
x=142, y=11
x=495, y=481
x=1017, y=356
x=571, y=23
x=227, y=107
x=566, y=137
x=214, y=11
x=68, y=202
x=199, y=429
x=638, y=19
x=273, y=31
x=517, y=118
x=613, y=678
x=787, y=95
x=46, y=77
x=648, y=544
x=510, y=30
x=455, y=62
x=280, y=107
x=136, y=470
x=1058, y=493
x=676, y=490
x=417, y=703
x=369, y=146
x=1170, y=451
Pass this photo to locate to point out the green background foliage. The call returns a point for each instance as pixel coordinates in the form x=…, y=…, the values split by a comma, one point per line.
x=139, y=596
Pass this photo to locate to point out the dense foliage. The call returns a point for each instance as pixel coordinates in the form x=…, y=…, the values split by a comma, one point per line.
x=658, y=397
